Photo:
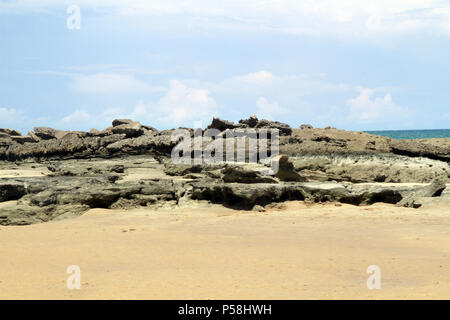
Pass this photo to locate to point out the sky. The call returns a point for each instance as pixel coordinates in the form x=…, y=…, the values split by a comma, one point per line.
x=355, y=65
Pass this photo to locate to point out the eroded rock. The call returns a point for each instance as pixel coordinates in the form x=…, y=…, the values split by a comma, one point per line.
x=432, y=190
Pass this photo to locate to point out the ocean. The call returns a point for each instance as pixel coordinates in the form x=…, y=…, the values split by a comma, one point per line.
x=413, y=134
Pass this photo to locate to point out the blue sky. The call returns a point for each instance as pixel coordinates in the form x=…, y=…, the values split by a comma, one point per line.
x=358, y=65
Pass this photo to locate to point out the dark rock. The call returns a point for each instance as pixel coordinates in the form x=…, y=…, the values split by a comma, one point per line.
x=285, y=129
x=245, y=175
x=251, y=122
x=33, y=136
x=11, y=190
x=10, y=132
x=119, y=168
x=173, y=169
x=286, y=171
x=306, y=126
x=221, y=124
x=245, y=196
x=23, y=139
x=131, y=130
x=119, y=122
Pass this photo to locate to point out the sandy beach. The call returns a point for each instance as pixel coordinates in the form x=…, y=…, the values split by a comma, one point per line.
x=224, y=150
x=293, y=251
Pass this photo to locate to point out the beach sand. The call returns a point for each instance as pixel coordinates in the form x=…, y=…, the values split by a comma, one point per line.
x=293, y=251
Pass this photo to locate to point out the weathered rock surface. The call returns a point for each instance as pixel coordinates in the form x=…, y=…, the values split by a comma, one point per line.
x=286, y=171
x=136, y=138
x=245, y=175
x=75, y=186
x=46, y=133
x=370, y=168
x=128, y=165
x=10, y=132
x=250, y=122
x=434, y=189
x=221, y=125
x=240, y=195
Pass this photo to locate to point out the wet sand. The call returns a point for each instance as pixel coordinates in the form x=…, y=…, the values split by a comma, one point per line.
x=296, y=251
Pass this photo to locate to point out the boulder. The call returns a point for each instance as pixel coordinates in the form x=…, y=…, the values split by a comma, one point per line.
x=286, y=170
x=432, y=190
x=46, y=133
x=306, y=126
x=119, y=122
x=131, y=130
x=221, y=125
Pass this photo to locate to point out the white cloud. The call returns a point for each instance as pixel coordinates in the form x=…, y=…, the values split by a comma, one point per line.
x=181, y=105
x=260, y=77
x=77, y=115
x=11, y=117
x=269, y=110
x=310, y=17
x=81, y=119
x=368, y=109
x=265, y=82
x=111, y=83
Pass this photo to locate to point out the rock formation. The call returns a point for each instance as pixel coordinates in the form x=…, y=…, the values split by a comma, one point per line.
x=128, y=165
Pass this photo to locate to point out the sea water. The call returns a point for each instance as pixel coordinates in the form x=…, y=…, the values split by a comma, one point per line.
x=413, y=134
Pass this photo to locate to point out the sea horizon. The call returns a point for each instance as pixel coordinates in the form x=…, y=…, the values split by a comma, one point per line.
x=412, y=133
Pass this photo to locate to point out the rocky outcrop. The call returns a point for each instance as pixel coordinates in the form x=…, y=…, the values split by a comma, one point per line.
x=245, y=196
x=45, y=198
x=128, y=165
x=370, y=168
x=75, y=186
x=252, y=122
x=432, y=190
x=140, y=139
x=285, y=129
x=418, y=149
x=84, y=145
x=46, y=133
x=10, y=132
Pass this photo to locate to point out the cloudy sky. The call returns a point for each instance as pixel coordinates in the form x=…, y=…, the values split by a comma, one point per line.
x=352, y=64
